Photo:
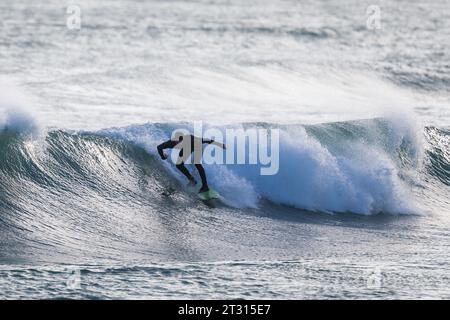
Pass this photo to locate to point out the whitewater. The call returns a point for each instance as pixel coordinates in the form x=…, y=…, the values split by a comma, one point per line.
x=359, y=207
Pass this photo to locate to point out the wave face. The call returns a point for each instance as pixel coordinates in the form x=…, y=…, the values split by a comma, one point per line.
x=78, y=189
x=361, y=167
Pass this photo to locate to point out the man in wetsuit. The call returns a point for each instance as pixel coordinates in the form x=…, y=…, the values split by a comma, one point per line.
x=188, y=144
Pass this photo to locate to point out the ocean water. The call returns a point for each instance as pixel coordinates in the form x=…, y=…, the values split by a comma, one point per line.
x=360, y=206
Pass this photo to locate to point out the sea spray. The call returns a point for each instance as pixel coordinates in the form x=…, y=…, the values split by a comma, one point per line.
x=16, y=113
x=348, y=167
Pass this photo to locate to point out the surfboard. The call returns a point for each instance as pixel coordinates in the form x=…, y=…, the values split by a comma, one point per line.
x=209, y=195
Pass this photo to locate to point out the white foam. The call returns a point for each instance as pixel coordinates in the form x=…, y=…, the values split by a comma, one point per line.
x=364, y=178
x=15, y=111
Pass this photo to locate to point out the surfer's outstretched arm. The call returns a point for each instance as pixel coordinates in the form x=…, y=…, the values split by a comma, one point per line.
x=185, y=171
x=209, y=141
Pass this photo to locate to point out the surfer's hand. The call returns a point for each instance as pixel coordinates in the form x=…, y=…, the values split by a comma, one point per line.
x=164, y=156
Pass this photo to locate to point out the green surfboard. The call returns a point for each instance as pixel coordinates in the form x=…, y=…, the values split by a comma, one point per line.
x=209, y=195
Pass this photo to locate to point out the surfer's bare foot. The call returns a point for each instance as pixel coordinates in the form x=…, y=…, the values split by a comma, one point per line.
x=203, y=189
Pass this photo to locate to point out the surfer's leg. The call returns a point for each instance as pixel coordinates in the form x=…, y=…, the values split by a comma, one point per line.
x=185, y=171
x=182, y=157
x=202, y=173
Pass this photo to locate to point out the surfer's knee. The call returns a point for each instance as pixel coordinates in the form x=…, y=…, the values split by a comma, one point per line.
x=199, y=166
x=200, y=170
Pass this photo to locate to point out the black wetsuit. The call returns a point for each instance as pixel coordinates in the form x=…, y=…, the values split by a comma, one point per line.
x=194, y=145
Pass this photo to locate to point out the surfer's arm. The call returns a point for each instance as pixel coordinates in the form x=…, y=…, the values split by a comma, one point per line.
x=209, y=141
x=169, y=144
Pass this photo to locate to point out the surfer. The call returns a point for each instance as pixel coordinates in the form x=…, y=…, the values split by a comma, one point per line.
x=189, y=144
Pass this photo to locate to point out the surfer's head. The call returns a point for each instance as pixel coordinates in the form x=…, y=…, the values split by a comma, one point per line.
x=178, y=135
